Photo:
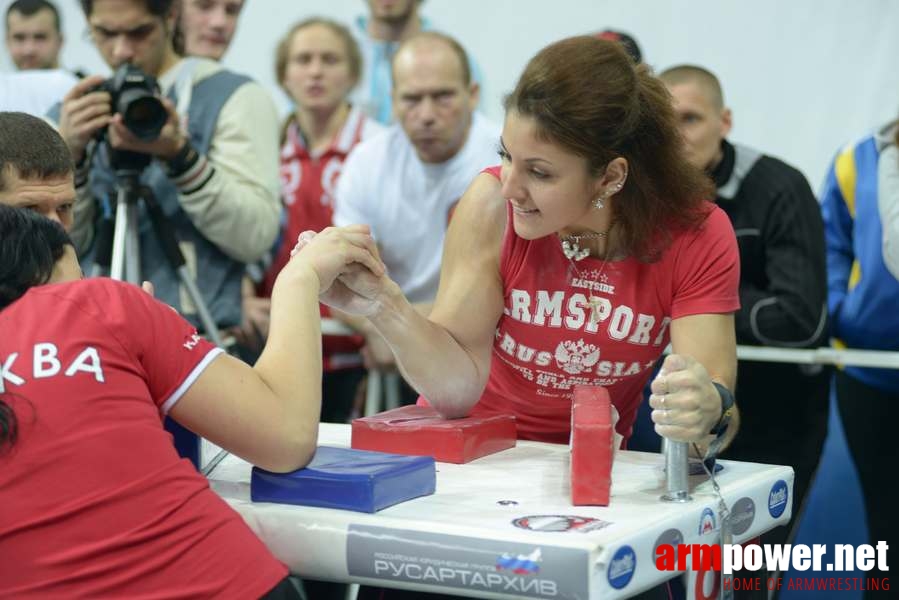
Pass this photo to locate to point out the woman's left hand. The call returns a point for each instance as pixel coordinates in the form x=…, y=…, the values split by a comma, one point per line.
x=686, y=404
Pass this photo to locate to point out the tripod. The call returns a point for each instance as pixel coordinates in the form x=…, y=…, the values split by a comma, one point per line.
x=118, y=250
x=121, y=249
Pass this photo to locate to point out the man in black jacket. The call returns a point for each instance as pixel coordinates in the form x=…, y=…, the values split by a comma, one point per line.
x=783, y=285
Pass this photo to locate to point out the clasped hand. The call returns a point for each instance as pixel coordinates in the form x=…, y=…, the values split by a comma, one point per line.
x=351, y=274
x=686, y=404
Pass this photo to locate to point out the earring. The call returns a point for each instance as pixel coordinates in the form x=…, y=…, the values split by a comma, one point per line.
x=598, y=203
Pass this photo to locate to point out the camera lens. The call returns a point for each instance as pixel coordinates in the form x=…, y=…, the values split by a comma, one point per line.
x=143, y=114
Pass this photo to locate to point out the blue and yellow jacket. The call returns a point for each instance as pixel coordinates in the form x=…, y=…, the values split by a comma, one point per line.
x=862, y=295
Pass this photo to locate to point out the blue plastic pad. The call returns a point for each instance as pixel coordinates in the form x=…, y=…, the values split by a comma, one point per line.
x=348, y=479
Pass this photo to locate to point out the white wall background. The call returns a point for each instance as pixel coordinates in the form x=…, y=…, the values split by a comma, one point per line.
x=802, y=76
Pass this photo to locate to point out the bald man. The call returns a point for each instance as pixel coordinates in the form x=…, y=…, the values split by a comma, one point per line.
x=783, y=286
x=379, y=35
x=406, y=181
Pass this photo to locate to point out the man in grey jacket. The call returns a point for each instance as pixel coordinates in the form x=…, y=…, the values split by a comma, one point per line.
x=214, y=166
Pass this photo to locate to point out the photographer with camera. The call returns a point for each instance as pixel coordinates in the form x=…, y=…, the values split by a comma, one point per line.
x=211, y=163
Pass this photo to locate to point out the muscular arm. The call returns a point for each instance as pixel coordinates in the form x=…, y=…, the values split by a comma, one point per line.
x=232, y=196
x=446, y=357
x=267, y=414
x=710, y=340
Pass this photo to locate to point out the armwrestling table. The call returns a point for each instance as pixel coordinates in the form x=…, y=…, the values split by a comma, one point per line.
x=503, y=526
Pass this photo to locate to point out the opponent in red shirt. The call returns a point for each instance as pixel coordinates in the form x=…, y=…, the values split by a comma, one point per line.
x=591, y=248
x=96, y=502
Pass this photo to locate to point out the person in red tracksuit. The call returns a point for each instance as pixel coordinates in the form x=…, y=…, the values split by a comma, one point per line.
x=317, y=63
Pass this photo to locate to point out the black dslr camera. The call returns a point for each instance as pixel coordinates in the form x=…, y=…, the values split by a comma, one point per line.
x=135, y=95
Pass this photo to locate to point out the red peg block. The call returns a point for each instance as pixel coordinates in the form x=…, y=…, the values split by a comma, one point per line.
x=592, y=437
x=421, y=431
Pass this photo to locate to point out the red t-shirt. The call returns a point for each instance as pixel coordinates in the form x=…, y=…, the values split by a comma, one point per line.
x=308, y=185
x=545, y=343
x=94, y=500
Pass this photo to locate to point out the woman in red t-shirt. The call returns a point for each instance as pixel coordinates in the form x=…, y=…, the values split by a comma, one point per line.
x=95, y=501
x=576, y=262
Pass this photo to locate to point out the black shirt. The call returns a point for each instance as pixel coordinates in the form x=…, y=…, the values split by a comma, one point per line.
x=777, y=220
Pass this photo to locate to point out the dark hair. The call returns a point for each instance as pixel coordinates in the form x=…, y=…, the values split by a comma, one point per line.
x=31, y=148
x=160, y=8
x=587, y=95
x=282, y=55
x=433, y=36
x=30, y=245
x=32, y=7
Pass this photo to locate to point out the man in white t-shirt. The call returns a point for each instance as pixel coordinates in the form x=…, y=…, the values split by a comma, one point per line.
x=406, y=181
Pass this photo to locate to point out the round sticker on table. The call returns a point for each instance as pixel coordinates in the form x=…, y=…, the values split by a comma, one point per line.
x=622, y=567
x=778, y=498
x=672, y=537
x=742, y=515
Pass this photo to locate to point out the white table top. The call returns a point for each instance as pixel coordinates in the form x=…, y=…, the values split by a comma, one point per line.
x=464, y=538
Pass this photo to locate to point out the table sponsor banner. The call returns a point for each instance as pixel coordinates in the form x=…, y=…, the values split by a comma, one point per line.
x=451, y=562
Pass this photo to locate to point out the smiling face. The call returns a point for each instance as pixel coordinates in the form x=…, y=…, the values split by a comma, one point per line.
x=318, y=75
x=52, y=197
x=549, y=187
x=209, y=26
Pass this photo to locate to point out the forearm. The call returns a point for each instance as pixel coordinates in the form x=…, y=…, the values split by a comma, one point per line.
x=447, y=374
x=364, y=326
x=231, y=194
x=291, y=364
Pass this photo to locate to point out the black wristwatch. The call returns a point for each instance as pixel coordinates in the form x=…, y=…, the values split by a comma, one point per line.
x=727, y=409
